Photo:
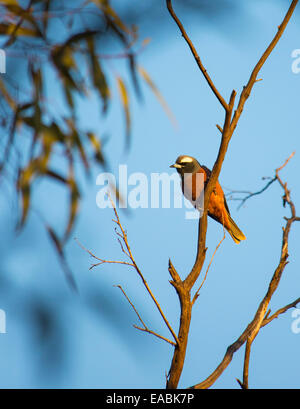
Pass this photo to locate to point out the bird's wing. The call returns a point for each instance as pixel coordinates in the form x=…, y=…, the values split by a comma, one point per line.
x=208, y=173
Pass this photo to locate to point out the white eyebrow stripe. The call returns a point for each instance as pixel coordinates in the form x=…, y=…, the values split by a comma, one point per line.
x=186, y=159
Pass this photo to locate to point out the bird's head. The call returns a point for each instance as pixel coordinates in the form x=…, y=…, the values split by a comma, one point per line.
x=186, y=164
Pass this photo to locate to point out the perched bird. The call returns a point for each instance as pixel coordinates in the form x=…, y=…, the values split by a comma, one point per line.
x=188, y=168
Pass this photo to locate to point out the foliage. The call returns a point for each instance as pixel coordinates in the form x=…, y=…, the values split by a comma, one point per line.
x=30, y=35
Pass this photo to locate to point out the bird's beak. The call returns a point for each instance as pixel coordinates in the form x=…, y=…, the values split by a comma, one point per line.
x=175, y=166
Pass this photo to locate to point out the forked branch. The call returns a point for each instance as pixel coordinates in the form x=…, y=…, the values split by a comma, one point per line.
x=125, y=247
x=196, y=56
x=261, y=317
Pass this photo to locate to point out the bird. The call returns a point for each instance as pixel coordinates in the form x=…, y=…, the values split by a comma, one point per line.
x=188, y=168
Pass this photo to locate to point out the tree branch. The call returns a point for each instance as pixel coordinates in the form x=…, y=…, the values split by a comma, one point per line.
x=125, y=247
x=145, y=329
x=183, y=288
x=196, y=56
x=260, y=319
x=205, y=276
x=282, y=310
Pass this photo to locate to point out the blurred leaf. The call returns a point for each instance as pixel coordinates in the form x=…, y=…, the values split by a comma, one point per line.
x=59, y=248
x=96, y=144
x=105, y=6
x=158, y=95
x=98, y=77
x=10, y=2
x=24, y=186
x=56, y=176
x=133, y=72
x=73, y=206
x=10, y=100
x=12, y=132
x=73, y=39
x=125, y=103
x=75, y=140
x=18, y=29
x=46, y=9
x=8, y=29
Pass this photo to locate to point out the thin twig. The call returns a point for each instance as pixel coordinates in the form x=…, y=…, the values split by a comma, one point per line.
x=282, y=310
x=205, y=276
x=128, y=299
x=196, y=56
x=155, y=334
x=250, y=194
x=123, y=235
x=101, y=261
x=145, y=329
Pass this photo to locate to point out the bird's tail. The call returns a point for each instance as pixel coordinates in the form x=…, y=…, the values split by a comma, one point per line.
x=234, y=231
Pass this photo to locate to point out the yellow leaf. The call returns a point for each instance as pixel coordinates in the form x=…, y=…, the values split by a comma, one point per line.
x=8, y=29
x=158, y=95
x=125, y=102
x=10, y=3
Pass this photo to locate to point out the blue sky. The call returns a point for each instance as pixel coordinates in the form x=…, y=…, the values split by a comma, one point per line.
x=88, y=340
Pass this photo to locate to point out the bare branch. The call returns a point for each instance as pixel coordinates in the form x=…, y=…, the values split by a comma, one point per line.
x=145, y=329
x=282, y=310
x=128, y=299
x=251, y=194
x=260, y=319
x=205, y=276
x=101, y=261
x=155, y=334
x=123, y=236
x=196, y=56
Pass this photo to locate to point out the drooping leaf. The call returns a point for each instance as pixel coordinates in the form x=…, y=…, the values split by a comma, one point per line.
x=59, y=248
x=125, y=103
x=10, y=3
x=98, y=77
x=8, y=29
x=134, y=76
x=75, y=140
x=9, y=99
x=105, y=6
x=96, y=144
x=73, y=207
x=158, y=95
